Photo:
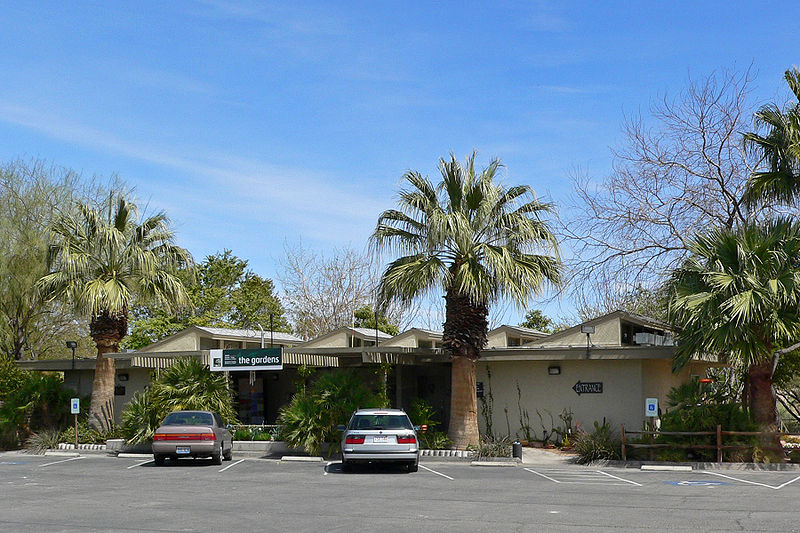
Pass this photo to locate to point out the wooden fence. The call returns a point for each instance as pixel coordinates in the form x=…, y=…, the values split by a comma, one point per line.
x=719, y=446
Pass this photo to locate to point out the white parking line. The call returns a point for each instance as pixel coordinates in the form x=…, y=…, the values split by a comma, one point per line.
x=62, y=461
x=232, y=464
x=435, y=472
x=752, y=482
x=538, y=474
x=619, y=478
x=140, y=464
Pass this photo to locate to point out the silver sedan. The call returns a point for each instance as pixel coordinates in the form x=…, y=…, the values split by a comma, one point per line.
x=379, y=435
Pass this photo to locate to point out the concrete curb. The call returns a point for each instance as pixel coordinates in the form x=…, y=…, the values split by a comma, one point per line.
x=51, y=453
x=666, y=468
x=755, y=467
x=301, y=459
x=135, y=455
x=493, y=463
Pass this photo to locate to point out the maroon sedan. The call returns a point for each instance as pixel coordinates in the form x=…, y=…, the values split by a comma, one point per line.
x=192, y=434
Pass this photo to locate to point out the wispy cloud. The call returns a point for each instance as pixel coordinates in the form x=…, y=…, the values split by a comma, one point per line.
x=161, y=79
x=312, y=203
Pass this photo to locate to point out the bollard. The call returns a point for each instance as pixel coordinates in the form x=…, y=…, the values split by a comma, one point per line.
x=516, y=450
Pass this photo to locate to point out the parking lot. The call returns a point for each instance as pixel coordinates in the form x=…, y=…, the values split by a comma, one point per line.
x=101, y=493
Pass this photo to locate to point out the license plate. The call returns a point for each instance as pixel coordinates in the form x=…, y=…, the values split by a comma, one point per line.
x=182, y=449
x=380, y=439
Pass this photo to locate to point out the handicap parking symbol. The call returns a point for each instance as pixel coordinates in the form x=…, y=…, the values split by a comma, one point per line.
x=696, y=483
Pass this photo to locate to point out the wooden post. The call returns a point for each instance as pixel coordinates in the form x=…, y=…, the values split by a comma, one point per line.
x=719, y=443
x=652, y=441
x=624, y=458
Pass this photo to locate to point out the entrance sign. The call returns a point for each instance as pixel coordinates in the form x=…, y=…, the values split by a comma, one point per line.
x=651, y=407
x=75, y=406
x=249, y=359
x=593, y=387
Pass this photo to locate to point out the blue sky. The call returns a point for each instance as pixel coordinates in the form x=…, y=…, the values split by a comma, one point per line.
x=255, y=124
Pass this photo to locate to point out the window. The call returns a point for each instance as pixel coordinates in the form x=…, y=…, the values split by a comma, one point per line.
x=514, y=341
x=425, y=344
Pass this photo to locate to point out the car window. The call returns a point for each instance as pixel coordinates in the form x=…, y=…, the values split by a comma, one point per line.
x=380, y=422
x=188, y=418
x=219, y=421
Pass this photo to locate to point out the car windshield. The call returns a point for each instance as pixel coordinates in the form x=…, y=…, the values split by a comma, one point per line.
x=188, y=418
x=380, y=422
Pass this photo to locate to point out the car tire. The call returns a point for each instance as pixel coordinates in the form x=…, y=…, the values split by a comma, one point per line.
x=347, y=466
x=413, y=466
x=228, y=456
x=158, y=459
x=216, y=459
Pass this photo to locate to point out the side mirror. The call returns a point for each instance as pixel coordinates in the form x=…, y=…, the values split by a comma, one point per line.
x=228, y=426
x=341, y=427
x=416, y=428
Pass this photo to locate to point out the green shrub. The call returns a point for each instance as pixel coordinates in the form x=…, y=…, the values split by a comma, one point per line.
x=311, y=417
x=186, y=384
x=43, y=440
x=434, y=440
x=695, y=407
x=31, y=401
x=602, y=443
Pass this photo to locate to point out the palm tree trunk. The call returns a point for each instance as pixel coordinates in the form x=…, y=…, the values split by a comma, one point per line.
x=106, y=331
x=763, y=403
x=465, y=332
x=463, y=428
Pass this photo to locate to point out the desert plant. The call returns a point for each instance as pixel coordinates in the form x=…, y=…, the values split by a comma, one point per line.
x=434, y=440
x=491, y=447
x=311, y=417
x=43, y=440
x=524, y=417
x=141, y=418
x=602, y=443
x=186, y=384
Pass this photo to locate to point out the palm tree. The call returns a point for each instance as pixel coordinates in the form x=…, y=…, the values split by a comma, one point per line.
x=478, y=242
x=780, y=181
x=102, y=259
x=737, y=296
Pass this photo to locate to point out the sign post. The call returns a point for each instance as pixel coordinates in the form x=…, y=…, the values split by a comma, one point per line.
x=651, y=407
x=75, y=409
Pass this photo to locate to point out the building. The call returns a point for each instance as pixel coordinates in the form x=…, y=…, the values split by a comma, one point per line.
x=601, y=369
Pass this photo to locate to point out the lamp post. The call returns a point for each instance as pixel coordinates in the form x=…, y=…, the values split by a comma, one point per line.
x=589, y=330
x=72, y=345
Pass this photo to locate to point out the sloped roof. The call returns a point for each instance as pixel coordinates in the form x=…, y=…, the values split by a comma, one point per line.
x=250, y=334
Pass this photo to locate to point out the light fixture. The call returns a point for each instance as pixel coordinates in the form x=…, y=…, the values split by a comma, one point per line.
x=589, y=330
x=554, y=370
x=123, y=377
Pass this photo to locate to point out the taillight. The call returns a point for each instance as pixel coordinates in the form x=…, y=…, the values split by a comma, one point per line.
x=354, y=439
x=406, y=439
x=184, y=436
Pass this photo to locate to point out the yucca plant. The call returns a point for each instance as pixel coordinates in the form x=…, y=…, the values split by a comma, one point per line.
x=43, y=440
x=311, y=417
x=189, y=384
x=141, y=418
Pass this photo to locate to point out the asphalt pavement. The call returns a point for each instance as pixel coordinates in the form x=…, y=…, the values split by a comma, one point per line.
x=100, y=493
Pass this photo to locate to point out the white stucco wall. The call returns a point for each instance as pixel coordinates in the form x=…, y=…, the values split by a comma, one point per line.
x=621, y=400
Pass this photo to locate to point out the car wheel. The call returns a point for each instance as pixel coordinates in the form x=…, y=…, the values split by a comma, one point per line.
x=347, y=466
x=216, y=458
x=228, y=456
x=158, y=459
x=413, y=466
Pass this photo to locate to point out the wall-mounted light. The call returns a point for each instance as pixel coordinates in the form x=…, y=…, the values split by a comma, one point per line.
x=122, y=377
x=554, y=370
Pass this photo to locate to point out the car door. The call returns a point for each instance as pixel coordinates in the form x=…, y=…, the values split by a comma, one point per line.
x=222, y=432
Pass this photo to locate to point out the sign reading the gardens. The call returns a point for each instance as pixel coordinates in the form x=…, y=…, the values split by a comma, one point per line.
x=593, y=387
x=249, y=359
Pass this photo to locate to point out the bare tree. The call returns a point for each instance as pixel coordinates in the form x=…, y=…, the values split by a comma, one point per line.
x=680, y=171
x=322, y=292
